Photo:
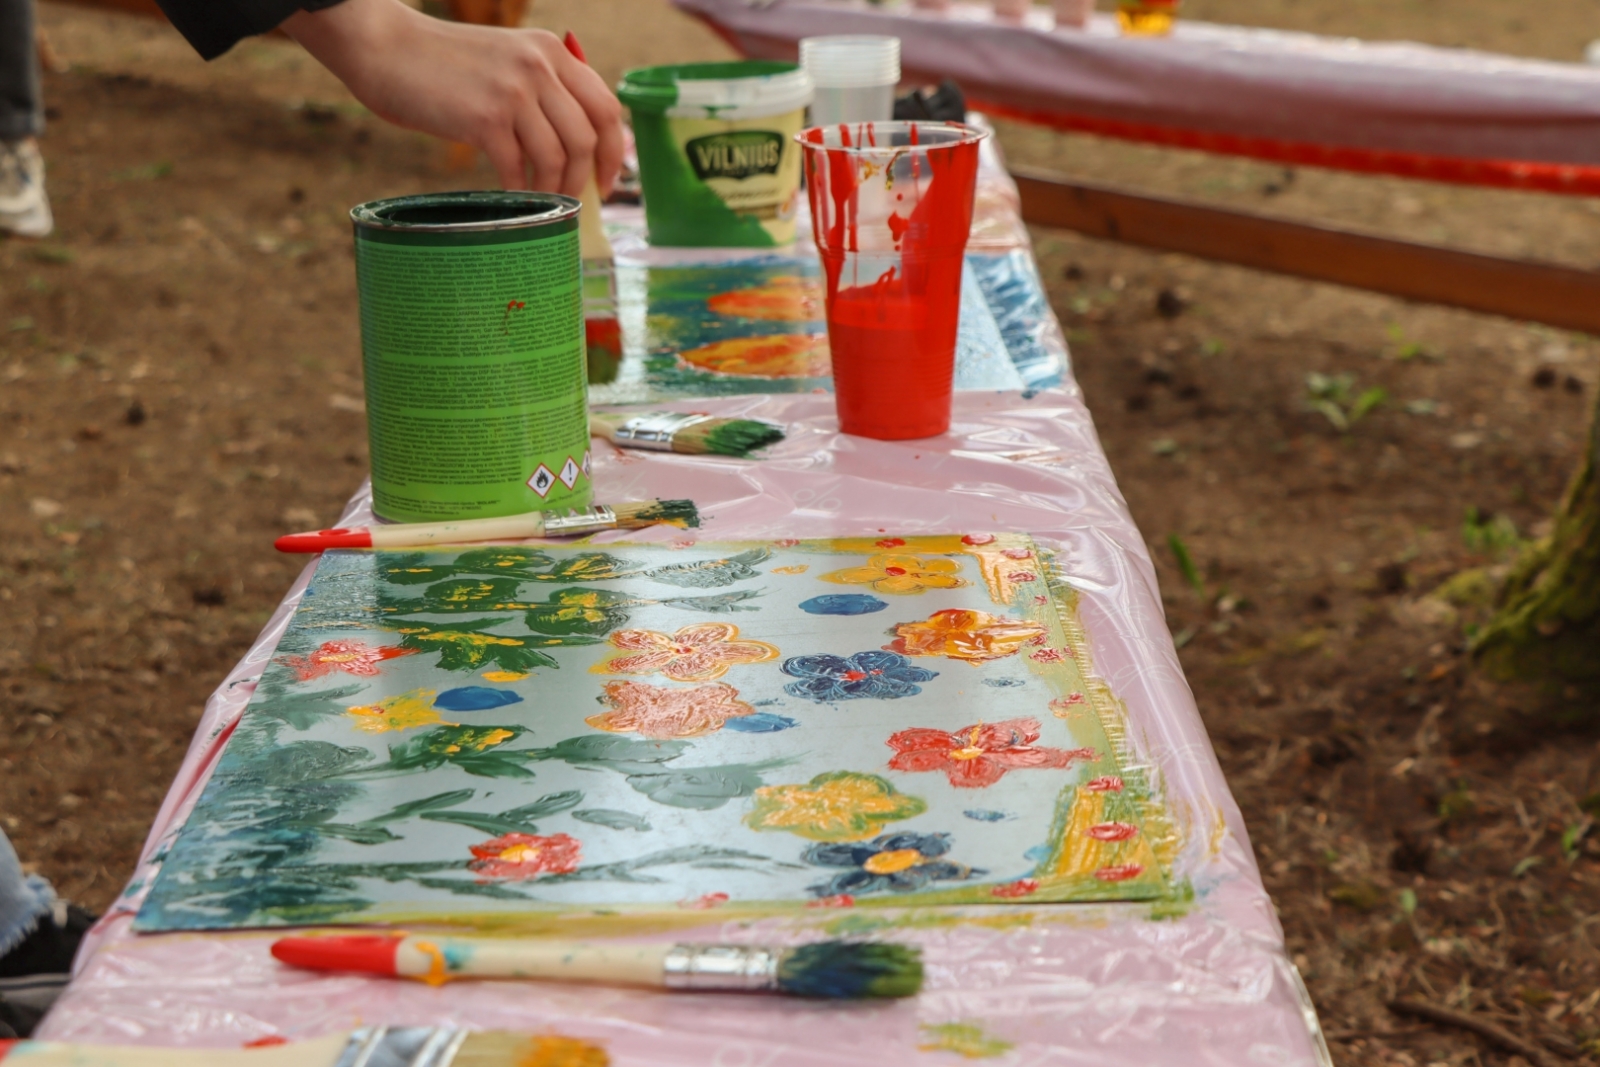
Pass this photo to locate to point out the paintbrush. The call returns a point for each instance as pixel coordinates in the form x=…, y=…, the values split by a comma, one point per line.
x=602, y=331
x=694, y=434
x=391, y=1046
x=840, y=970
x=680, y=513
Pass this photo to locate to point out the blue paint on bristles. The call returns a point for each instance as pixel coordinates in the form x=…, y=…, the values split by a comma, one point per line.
x=850, y=970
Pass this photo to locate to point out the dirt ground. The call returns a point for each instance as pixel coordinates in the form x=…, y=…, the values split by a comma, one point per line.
x=179, y=383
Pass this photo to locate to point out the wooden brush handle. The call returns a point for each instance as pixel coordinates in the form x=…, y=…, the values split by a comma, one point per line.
x=443, y=958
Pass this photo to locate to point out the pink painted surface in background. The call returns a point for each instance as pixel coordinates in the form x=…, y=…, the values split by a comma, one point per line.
x=1081, y=984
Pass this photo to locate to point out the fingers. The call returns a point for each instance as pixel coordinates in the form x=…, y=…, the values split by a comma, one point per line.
x=505, y=153
x=577, y=135
x=542, y=145
x=604, y=113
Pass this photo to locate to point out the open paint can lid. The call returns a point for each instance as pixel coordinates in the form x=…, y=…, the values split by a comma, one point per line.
x=465, y=211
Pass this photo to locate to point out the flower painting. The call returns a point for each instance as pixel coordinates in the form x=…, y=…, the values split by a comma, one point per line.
x=889, y=863
x=837, y=806
x=344, y=657
x=875, y=674
x=659, y=712
x=981, y=754
x=482, y=735
x=701, y=653
x=901, y=574
x=971, y=636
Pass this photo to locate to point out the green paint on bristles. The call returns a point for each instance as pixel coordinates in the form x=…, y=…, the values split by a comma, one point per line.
x=732, y=437
x=680, y=513
x=851, y=970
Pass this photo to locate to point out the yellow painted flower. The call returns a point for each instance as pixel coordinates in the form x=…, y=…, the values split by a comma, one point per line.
x=974, y=636
x=554, y=1050
x=890, y=572
x=404, y=712
x=839, y=806
x=799, y=568
x=504, y=676
x=700, y=653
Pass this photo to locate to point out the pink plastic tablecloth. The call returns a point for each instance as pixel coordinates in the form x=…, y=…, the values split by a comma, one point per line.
x=1205, y=982
x=1396, y=107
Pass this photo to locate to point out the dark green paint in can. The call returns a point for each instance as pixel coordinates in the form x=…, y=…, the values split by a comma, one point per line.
x=473, y=354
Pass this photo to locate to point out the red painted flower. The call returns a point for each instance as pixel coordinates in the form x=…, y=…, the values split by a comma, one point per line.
x=351, y=657
x=978, y=755
x=978, y=539
x=1048, y=655
x=1112, y=831
x=1022, y=576
x=1107, y=783
x=705, y=903
x=1016, y=553
x=1022, y=887
x=838, y=900
x=1062, y=707
x=1040, y=598
x=1120, y=873
x=890, y=542
x=521, y=857
x=786, y=542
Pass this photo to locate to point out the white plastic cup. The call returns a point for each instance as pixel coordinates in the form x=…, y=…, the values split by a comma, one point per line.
x=1073, y=14
x=853, y=77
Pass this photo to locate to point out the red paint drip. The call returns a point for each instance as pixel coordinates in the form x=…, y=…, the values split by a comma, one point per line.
x=369, y=953
x=6, y=1045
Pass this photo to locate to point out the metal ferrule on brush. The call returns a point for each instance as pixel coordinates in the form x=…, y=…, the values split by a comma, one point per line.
x=590, y=520
x=654, y=432
x=403, y=1046
x=724, y=968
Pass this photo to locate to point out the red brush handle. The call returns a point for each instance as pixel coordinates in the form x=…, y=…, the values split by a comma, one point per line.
x=338, y=537
x=371, y=953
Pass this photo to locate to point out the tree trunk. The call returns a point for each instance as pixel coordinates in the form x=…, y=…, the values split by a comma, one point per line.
x=1546, y=628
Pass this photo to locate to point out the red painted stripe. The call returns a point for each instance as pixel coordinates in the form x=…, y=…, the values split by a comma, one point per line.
x=1568, y=178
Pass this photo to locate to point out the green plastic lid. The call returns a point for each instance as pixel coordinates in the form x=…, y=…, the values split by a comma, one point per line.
x=746, y=88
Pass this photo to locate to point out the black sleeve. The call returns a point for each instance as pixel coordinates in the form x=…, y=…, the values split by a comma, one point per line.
x=214, y=26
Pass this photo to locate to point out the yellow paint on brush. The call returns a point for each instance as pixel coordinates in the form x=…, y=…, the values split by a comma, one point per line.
x=436, y=975
x=554, y=1050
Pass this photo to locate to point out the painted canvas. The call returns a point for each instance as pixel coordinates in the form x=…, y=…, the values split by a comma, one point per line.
x=759, y=325
x=767, y=725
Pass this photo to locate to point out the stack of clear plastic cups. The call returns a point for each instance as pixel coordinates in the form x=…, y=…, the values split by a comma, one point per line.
x=891, y=207
x=854, y=77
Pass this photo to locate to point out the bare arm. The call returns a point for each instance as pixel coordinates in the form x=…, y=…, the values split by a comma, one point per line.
x=516, y=94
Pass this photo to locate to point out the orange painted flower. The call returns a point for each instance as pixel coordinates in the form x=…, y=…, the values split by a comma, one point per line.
x=890, y=572
x=705, y=902
x=521, y=857
x=657, y=712
x=1119, y=873
x=350, y=657
x=974, y=636
x=784, y=298
x=782, y=355
x=1022, y=887
x=980, y=755
x=700, y=653
x=1106, y=783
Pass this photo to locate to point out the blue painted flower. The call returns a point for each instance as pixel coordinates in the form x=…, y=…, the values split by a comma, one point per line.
x=475, y=698
x=984, y=815
x=901, y=863
x=843, y=604
x=762, y=722
x=874, y=673
x=1003, y=683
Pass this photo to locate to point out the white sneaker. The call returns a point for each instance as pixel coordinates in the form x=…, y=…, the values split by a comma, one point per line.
x=24, y=209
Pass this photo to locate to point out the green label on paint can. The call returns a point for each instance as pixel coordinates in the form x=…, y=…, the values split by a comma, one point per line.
x=473, y=349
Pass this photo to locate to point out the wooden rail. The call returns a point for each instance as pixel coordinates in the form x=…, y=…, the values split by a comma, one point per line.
x=1539, y=292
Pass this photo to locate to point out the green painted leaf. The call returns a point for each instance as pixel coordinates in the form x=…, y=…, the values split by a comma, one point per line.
x=494, y=825
x=549, y=804
x=613, y=819
x=360, y=834
x=413, y=807
x=301, y=711
x=709, y=573
x=451, y=744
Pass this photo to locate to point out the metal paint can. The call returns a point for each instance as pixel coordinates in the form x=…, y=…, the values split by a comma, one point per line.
x=473, y=354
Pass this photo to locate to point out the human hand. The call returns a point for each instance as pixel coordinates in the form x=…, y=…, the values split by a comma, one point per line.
x=517, y=95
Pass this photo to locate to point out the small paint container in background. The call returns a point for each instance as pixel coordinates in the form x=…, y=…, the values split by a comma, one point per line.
x=473, y=354
x=853, y=77
x=717, y=162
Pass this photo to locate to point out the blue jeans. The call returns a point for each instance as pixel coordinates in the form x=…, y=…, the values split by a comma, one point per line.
x=24, y=899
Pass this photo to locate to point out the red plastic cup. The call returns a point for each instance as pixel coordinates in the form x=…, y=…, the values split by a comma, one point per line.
x=891, y=207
